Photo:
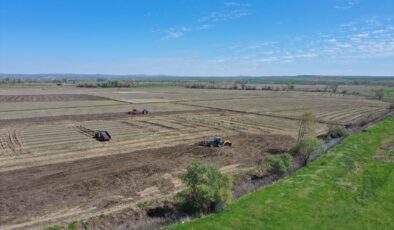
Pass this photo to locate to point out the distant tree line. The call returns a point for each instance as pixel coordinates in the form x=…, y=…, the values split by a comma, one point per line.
x=103, y=83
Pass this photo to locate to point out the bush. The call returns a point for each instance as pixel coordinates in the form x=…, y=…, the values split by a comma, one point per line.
x=306, y=147
x=207, y=189
x=235, y=86
x=270, y=88
x=280, y=164
x=196, y=86
x=249, y=87
x=86, y=85
x=338, y=131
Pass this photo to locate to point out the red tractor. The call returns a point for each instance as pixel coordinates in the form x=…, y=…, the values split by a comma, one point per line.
x=137, y=112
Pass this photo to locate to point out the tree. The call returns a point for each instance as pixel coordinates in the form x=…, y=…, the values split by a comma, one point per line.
x=207, y=189
x=334, y=87
x=306, y=123
x=306, y=147
x=290, y=85
x=242, y=82
x=380, y=94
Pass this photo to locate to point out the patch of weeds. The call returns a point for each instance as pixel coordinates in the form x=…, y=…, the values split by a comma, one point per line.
x=56, y=227
x=73, y=225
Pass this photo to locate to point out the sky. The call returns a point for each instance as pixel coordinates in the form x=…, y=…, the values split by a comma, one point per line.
x=198, y=37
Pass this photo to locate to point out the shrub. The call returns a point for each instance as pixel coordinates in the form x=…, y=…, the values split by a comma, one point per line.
x=267, y=88
x=280, y=164
x=207, y=189
x=211, y=87
x=72, y=226
x=235, y=86
x=365, y=120
x=87, y=85
x=249, y=87
x=337, y=131
x=306, y=147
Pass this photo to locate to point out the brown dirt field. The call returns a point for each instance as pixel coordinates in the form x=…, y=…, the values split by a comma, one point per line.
x=89, y=117
x=39, y=196
x=50, y=98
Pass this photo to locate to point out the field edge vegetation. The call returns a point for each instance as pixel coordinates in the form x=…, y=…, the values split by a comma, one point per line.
x=350, y=187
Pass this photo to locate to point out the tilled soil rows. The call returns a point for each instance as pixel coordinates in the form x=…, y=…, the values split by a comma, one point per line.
x=38, y=196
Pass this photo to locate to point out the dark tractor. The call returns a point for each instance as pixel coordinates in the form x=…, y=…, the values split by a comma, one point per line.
x=102, y=135
x=137, y=112
x=216, y=141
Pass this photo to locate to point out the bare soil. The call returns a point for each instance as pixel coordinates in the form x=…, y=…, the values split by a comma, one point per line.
x=43, y=195
x=89, y=117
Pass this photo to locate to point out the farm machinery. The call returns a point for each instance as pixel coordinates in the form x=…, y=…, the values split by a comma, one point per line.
x=216, y=141
x=139, y=112
x=102, y=135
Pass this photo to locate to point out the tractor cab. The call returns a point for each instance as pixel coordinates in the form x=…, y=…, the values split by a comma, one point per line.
x=216, y=141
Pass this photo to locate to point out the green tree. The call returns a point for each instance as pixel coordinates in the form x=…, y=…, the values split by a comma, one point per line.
x=306, y=123
x=207, y=189
x=306, y=147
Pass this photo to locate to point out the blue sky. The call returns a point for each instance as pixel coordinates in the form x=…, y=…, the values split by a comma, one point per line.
x=196, y=38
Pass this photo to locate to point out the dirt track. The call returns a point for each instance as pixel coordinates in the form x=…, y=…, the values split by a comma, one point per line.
x=96, y=184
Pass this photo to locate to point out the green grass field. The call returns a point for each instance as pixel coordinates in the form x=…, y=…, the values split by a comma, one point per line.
x=389, y=93
x=350, y=187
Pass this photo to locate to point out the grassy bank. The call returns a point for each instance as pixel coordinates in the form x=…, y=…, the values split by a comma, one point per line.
x=351, y=187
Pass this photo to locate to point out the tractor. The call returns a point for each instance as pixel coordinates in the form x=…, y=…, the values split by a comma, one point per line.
x=216, y=141
x=137, y=112
x=102, y=135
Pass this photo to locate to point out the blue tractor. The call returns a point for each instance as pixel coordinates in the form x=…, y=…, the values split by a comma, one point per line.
x=216, y=141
